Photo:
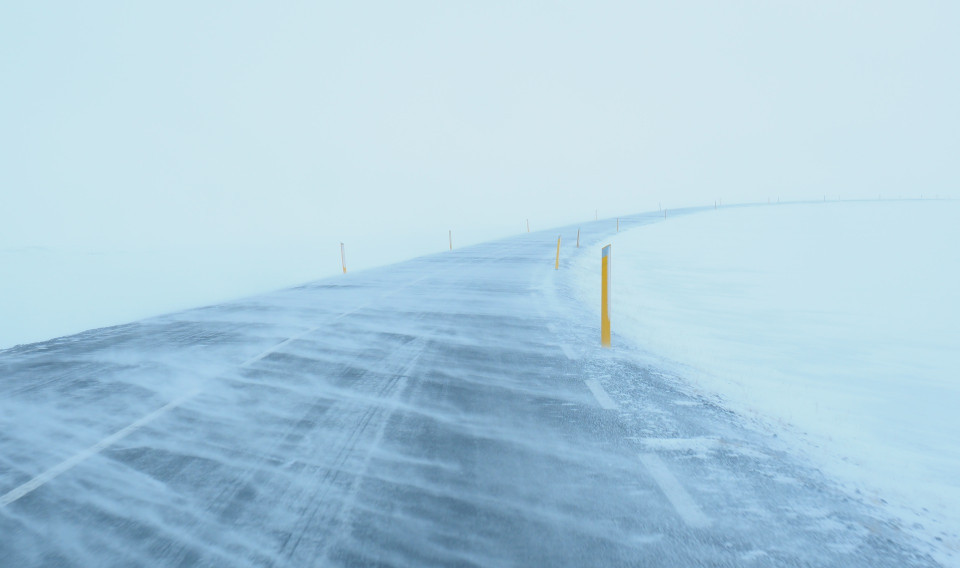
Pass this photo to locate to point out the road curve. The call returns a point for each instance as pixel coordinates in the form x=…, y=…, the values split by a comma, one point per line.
x=452, y=410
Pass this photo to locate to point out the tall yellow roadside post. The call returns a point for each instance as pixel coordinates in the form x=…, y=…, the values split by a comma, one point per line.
x=605, y=298
x=343, y=259
x=556, y=265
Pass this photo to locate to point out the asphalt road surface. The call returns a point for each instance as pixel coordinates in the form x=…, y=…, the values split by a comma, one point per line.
x=453, y=410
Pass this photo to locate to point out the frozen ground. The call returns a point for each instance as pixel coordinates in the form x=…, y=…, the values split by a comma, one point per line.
x=837, y=325
x=450, y=410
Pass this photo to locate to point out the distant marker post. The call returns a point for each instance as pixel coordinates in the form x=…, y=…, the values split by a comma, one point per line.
x=556, y=265
x=578, y=237
x=528, y=225
x=605, y=297
x=450, y=235
x=343, y=259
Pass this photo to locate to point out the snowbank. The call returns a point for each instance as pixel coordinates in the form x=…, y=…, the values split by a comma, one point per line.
x=837, y=324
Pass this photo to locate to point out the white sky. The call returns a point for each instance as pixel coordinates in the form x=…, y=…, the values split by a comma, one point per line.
x=236, y=122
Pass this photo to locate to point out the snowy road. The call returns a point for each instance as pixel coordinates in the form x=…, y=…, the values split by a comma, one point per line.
x=451, y=410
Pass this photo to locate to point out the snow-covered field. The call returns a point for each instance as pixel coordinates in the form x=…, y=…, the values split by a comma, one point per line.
x=48, y=292
x=51, y=291
x=836, y=325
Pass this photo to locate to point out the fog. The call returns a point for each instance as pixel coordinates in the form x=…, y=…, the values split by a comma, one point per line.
x=161, y=156
x=384, y=125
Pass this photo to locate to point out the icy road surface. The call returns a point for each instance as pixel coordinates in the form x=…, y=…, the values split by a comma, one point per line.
x=451, y=410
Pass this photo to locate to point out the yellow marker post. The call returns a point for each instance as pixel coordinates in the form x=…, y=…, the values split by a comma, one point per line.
x=556, y=266
x=578, y=237
x=450, y=235
x=605, y=297
x=528, y=225
x=343, y=259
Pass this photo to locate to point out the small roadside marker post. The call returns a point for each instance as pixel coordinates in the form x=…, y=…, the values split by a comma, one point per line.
x=450, y=235
x=618, y=224
x=605, y=297
x=556, y=265
x=528, y=225
x=343, y=259
x=578, y=237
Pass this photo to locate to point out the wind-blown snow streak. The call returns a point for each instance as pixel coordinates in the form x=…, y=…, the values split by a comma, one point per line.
x=70, y=462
